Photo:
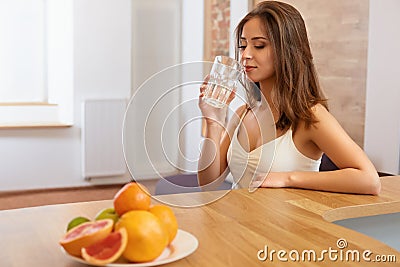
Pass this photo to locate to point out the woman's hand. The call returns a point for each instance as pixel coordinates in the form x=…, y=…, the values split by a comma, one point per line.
x=273, y=179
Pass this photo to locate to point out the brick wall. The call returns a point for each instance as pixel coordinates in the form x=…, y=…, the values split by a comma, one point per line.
x=220, y=16
x=217, y=21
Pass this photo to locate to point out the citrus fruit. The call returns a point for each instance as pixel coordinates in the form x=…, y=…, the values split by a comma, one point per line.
x=76, y=221
x=167, y=217
x=106, y=250
x=108, y=213
x=84, y=235
x=131, y=196
x=147, y=237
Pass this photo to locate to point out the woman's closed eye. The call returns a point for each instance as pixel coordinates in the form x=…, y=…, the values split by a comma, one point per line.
x=243, y=47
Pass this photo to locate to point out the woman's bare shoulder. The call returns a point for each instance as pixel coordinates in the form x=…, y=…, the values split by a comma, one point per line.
x=320, y=110
x=326, y=129
x=323, y=118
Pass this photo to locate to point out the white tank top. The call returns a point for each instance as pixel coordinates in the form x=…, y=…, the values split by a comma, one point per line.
x=278, y=155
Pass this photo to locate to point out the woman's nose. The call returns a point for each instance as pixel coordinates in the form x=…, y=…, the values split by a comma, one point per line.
x=246, y=54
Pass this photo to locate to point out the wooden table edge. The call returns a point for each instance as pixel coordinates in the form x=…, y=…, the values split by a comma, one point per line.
x=359, y=211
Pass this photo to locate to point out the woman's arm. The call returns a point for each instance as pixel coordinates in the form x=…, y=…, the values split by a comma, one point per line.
x=213, y=164
x=210, y=165
x=356, y=173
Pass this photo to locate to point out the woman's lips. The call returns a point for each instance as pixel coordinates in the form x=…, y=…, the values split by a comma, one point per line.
x=249, y=68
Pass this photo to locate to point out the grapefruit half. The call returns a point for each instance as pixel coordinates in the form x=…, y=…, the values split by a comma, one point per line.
x=85, y=235
x=106, y=250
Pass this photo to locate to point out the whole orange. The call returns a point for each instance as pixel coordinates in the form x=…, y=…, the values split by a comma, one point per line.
x=167, y=217
x=147, y=237
x=132, y=196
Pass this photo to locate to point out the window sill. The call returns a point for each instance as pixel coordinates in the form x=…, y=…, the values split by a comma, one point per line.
x=33, y=125
x=30, y=115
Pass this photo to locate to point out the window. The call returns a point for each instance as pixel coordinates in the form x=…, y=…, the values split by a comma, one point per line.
x=36, y=48
x=22, y=51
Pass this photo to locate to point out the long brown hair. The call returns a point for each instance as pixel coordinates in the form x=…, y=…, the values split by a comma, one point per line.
x=297, y=88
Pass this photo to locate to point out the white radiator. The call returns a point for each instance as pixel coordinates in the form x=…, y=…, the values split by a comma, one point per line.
x=102, y=152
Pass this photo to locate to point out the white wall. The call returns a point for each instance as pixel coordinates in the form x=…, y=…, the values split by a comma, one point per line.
x=382, y=125
x=156, y=45
x=42, y=158
x=192, y=51
x=239, y=9
x=60, y=59
x=173, y=39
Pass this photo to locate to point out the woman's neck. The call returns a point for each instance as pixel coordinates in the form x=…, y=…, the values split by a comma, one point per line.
x=266, y=88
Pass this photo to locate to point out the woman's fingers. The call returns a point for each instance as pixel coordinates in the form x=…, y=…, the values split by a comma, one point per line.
x=202, y=88
x=204, y=85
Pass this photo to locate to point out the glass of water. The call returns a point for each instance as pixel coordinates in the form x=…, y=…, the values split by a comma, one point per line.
x=224, y=77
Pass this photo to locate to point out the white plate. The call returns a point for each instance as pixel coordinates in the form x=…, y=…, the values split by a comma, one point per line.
x=182, y=246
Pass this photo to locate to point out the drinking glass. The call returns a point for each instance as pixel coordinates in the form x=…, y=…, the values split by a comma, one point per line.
x=224, y=77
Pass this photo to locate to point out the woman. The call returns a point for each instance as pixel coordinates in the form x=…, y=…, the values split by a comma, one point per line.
x=274, y=49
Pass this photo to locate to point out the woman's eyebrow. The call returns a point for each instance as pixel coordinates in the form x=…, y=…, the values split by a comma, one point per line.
x=255, y=38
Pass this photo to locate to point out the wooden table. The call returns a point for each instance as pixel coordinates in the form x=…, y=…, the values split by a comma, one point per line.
x=233, y=231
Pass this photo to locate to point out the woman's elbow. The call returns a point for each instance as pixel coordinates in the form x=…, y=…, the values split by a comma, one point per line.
x=374, y=184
